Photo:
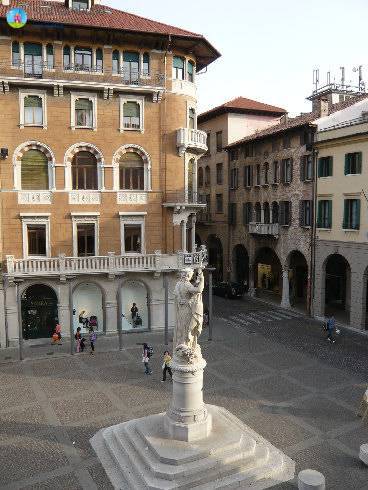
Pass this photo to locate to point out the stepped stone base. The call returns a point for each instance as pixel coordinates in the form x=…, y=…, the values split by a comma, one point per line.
x=140, y=455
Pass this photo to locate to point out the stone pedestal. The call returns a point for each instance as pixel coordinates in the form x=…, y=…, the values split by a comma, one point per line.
x=311, y=480
x=363, y=454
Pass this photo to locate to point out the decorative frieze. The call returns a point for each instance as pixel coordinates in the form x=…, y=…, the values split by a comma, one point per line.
x=34, y=197
x=132, y=198
x=84, y=197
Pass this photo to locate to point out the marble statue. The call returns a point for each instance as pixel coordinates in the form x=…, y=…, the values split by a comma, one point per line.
x=189, y=314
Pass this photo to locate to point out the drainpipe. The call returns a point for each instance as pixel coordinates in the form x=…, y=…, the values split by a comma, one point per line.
x=163, y=129
x=313, y=237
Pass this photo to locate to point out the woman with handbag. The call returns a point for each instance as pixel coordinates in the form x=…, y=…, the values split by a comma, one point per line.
x=166, y=366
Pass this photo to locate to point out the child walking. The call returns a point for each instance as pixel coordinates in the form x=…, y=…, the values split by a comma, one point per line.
x=92, y=339
x=166, y=366
x=79, y=340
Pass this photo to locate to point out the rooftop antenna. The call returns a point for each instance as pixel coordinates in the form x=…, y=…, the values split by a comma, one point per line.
x=328, y=78
x=342, y=68
x=316, y=79
x=361, y=84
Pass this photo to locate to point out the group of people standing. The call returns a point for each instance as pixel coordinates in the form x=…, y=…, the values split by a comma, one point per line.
x=81, y=341
x=166, y=366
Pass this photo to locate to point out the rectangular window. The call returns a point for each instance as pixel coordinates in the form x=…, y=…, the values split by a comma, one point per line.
x=130, y=67
x=275, y=145
x=258, y=175
x=219, y=173
x=249, y=150
x=36, y=236
x=306, y=137
x=33, y=111
x=234, y=154
x=178, y=68
x=16, y=54
x=248, y=176
x=306, y=168
x=287, y=170
x=232, y=213
x=275, y=172
x=83, y=113
x=190, y=69
x=219, y=203
x=219, y=141
x=234, y=178
x=83, y=59
x=286, y=141
x=353, y=163
x=133, y=238
x=132, y=115
x=285, y=213
x=305, y=210
x=247, y=213
x=80, y=4
x=324, y=216
x=351, y=214
x=192, y=118
x=86, y=239
x=265, y=173
x=325, y=167
x=146, y=65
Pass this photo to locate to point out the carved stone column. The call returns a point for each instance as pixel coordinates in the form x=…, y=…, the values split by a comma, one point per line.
x=251, y=288
x=285, y=301
x=184, y=235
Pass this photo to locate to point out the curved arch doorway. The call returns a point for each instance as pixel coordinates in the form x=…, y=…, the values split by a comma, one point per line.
x=88, y=307
x=215, y=257
x=298, y=277
x=240, y=269
x=268, y=274
x=134, y=292
x=39, y=307
x=338, y=287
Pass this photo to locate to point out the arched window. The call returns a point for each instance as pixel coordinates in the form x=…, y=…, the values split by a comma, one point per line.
x=15, y=54
x=84, y=171
x=130, y=67
x=33, y=111
x=132, y=115
x=99, y=60
x=190, y=70
x=83, y=59
x=192, y=118
x=266, y=173
x=200, y=177
x=34, y=171
x=207, y=175
x=275, y=212
x=178, y=68
x=115, y=62
x=192, y=188
x=131, y=172
x=66, y=58
x=50, y=56
x=266, y=213
x=258, y=212
x=146, y=65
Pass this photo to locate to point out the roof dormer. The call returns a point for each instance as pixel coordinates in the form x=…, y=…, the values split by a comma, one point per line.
x=80, y=5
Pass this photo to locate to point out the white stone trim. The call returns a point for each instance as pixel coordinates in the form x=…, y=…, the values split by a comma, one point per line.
x=146, y=160
x=132, y=197
x=132, y=219
x=131, y=98
x=35, y=219
x=68, y=157
x=42, y=94
x=83, y=95
x=85, y=218
x=17, y=162
x=34, y=197
x=81, y=197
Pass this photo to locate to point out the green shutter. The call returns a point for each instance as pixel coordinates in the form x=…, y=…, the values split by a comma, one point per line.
x=131, y=57
x=329, y=214
x=320, y=167
x=359, y=162
x=178, y=62
x=83, y=104
x=190, y=67
x=33, y=49
x=319, y=218
x=347, y=164
x=330, y=166
x=131, y=109
x=34, y=171
x=357, y=215
x=345, y=224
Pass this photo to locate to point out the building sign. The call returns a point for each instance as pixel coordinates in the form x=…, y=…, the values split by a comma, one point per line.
x=188, y=259
x=16, y=18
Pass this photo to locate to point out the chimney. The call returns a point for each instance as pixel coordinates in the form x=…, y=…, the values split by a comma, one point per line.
x=284, y=118
x=323, y=107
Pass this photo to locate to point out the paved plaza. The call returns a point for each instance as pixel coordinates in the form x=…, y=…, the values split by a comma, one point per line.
x=272, y=369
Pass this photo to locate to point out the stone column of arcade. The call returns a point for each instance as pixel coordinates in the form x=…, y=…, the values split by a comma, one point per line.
x=193, y=444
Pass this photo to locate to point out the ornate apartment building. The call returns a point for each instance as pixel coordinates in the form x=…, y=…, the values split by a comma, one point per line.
x=99, y=151
x=223, y=125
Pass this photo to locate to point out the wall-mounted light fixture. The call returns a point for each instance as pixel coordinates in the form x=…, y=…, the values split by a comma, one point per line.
x=4, y=153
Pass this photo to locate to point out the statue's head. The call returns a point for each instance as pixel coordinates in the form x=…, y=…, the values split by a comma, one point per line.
x=186, y=274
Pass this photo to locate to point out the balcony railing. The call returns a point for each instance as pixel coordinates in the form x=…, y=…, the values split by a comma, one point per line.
x=111, y=264
x=271, y=229
x=204, y=217
x=185, y=197
x=82, y=73
x=191, y=139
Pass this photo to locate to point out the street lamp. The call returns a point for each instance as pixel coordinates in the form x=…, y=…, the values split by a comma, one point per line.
x=210, y=271
x=20, y=322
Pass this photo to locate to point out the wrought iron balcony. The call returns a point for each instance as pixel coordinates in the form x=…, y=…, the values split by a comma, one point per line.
x=193, y=140
x=270, y=229
x=111, y=264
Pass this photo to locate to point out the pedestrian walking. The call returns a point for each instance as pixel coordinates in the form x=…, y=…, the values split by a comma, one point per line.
x=330, y=329
x=166, y=366
x=79, y=340
x=92, y=339
x=147, y=352
x=134, y=313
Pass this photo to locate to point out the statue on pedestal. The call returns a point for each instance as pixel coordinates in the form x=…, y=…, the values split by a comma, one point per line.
x=189, y=315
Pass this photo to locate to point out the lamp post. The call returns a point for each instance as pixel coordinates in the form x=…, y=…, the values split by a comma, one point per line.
x=210, y=271
x=20, y=322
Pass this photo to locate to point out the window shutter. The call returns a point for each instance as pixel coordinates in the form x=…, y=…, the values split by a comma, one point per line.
x=83, y=104
x=289, y=204
x=282, y=213
x=282, y=172
x=329, y=214
x=130, y=57
x=302, y=168
x=34, y=171
x=250, y=175
x=319, y=215
x=301, y=213
x=291, y=169
x=357, y=217
x=347, y=161
x=131, y=109
x=345, y=222
x=359, y=162
x=320, y=163
x=190, y=67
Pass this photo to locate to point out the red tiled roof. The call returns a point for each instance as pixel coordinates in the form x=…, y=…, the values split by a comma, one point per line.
x=101, y=16
x=297, y=122
x=242, y=105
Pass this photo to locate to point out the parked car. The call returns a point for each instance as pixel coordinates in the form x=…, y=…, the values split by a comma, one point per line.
x=229, y=289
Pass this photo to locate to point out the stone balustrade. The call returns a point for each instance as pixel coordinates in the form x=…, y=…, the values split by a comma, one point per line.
x=264, y=229
x=193, y=139
x=110, y=264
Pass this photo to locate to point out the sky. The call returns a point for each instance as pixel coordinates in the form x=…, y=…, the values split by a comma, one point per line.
x=269, y=47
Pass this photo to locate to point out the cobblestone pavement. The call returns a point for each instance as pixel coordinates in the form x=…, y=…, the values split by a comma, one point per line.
x=273, y=369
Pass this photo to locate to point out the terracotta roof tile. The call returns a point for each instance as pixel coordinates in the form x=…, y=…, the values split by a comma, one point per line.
x=240, y=104
x=101, y=16
x=299, y=121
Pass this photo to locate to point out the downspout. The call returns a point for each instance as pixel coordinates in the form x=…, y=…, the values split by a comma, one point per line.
x=313, y=237
x=163, y=129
